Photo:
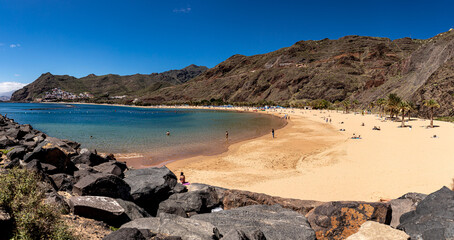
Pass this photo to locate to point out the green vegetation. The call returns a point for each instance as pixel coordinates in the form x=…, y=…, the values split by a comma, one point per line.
x=22, y=199
x=320, y=104
x=6, y=151
x=392, y=104
x=403, y=107
x=431, y=104
x=346, y=104
x=113, y=228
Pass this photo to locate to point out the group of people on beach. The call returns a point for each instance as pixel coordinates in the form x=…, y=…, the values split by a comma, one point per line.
x=356, y=137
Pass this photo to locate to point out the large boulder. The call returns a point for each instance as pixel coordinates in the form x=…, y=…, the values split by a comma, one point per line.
x=15, y=133
x=414, y=197
x=200, y=186
x=238, y=198
x=190, y=203
x=404, y=204
x=16, y=152
x=173, y=225
x=89, y=158
x=132, y=211
x=99, y=208
x=72, y=144
x=274, y=222
x=399, y=207
x=55, y=152
x=433, y=217
x=101, y=184
x=82, y=171
x=111, y=167
x=64, y=182
x=338, y=220
x=150, y=186
x=376, y=231
x=6, y=142
x=112, y=211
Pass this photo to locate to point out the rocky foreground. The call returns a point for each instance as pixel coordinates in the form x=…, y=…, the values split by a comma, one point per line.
x=98, y=192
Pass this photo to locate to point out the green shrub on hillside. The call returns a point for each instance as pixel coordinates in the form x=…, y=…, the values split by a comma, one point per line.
x=21, y=197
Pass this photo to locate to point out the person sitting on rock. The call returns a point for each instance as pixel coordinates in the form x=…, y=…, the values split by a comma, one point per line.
x=182, y=178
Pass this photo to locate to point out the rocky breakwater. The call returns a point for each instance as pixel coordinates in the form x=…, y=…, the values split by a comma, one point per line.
x=150, y=203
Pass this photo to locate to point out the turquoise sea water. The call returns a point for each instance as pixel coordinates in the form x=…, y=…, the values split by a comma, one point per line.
x=142, y=130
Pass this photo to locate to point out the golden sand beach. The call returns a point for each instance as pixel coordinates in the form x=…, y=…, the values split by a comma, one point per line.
x=312, y=159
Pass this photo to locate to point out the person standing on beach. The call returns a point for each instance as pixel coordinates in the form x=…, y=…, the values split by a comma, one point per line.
x=227, y=135
x=272, y=132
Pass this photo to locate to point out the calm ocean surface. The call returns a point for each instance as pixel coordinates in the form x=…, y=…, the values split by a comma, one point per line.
x=142, y=130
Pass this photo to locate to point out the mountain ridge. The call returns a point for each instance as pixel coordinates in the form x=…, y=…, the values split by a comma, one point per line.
x=352, y=67
x=109, y=84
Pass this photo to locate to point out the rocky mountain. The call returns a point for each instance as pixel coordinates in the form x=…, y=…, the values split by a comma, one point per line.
x=352, y=67
x=327, y=69
x=113, y=85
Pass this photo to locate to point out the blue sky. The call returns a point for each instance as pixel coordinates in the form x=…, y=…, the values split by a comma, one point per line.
x=78, y=37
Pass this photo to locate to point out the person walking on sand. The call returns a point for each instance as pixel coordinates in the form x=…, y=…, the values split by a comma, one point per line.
x=227, y=135
x=272, y=132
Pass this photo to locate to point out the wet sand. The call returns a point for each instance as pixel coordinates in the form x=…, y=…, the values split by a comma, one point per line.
x=312, y=159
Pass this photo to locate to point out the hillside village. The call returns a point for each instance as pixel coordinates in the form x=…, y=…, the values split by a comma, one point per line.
x=59, y=94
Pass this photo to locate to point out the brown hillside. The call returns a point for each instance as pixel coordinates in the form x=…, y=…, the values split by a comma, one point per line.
x=328, y=69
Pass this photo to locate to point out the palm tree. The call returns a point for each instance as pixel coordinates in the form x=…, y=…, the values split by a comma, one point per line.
x=403, y=106
x=354, y=104
x=371, y=106
x=337, y=104
x=393, y=104
x=381, y=103
x=431, y=104
x=346, y=104
x=411, y=107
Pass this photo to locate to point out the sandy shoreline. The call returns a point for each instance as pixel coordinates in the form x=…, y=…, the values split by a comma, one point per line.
x=142, y=159
x=312, y=159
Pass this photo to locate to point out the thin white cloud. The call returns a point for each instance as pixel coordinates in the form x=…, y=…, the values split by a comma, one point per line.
x=14, y=45
x=182, y=10
x=1, y=44
x=7, y=88
x=17, y=75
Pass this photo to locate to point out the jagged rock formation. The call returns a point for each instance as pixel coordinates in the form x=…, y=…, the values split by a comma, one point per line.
x=113, y=85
